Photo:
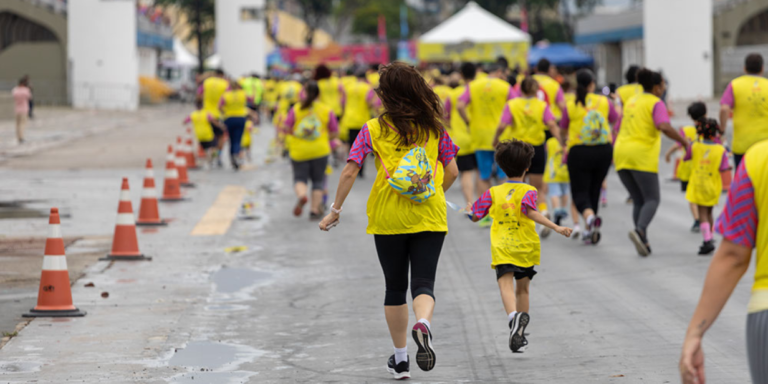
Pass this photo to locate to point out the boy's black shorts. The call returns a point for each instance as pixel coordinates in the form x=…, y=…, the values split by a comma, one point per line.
x=520, y=272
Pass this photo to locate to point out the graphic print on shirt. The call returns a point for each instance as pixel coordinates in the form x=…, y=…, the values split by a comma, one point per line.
x=308, y=129
x=413, y=177
x=511, y=222
x=757, y=99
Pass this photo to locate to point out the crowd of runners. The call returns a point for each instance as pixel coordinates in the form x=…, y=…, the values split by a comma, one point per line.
x=531, y=152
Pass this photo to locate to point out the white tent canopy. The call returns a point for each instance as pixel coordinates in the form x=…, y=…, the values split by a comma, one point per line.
x=474, y=24
x=183, y=56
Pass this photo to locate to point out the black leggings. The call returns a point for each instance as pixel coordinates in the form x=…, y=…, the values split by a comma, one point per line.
x=419, y=250
x=587, y=168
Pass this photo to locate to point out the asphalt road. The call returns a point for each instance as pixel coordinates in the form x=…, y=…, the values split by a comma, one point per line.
x=299, y=305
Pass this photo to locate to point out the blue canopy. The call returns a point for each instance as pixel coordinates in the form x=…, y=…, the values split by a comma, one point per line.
x=560, y=54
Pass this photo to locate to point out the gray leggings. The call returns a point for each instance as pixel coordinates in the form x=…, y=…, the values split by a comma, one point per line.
x=757, y=346
x=643, y=187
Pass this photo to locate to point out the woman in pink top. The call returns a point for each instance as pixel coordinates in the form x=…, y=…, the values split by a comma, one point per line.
x=21, y=95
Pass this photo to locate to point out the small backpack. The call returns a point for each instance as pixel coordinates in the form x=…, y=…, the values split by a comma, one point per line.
x=595, y=129
x=308, y=128
x=414, y=177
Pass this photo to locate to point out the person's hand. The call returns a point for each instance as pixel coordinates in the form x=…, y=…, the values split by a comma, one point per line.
x=565, y=231
x=329, y=221
x=468, y=208
x=692, y=362
x=668, y=157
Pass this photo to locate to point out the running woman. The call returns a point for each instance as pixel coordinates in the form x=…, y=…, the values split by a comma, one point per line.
x=331, y=91
x=457, y=128
x=234, y=108
x=707, y=158
x=587, y=122
x=529, y=118
x=747, y=98
x=358, y=107
x=208, y=131
x=696, y=111
x=311, y=126
x=515, y=246
x=484, y=100
x=210, y=91
x=407, y=235
x=744, y=228
x=637, y=150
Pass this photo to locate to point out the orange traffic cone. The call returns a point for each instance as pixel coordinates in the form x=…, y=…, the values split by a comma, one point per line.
x=54, y=299
x=181, y=164
x=149, y=214
x=125, y=244
x=189, y=151
x=171, y=188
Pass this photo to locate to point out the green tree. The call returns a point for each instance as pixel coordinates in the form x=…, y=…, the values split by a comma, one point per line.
x=201, y=15
x=366, y=18
x=313, y=12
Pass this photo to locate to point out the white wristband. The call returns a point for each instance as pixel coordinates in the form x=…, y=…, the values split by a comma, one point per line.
x=336, y=211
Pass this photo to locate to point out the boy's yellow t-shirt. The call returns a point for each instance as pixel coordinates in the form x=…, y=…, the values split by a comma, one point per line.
x=513, y=235
x=555, y=171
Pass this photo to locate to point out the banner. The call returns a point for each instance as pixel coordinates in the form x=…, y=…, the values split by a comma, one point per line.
x=336, y=56
x=516, y=53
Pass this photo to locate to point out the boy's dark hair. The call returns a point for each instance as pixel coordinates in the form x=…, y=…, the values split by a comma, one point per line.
x=514, y=157
x=753, y=64
x=543, y=66
x=708, y=128
x=697, y=110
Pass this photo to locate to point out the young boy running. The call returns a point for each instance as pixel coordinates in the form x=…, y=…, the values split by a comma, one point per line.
x=515, y=245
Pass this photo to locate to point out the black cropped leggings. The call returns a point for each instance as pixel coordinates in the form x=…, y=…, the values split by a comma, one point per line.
x=419, y=251
x=587, y=168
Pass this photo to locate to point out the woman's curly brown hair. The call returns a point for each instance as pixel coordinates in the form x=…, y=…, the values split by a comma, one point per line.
x=414, y=109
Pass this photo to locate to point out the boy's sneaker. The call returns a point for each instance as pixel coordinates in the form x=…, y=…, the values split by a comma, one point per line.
x=641, y=243
x=400, y=371
x=425, y=357
x=696, y=228
x=707, y=247
x=516, y=331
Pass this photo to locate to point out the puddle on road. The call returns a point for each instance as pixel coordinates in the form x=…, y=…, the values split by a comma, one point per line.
x=19, y=367
x=213, y=355
x=233, y=280
x=25, y=209
x=236, y=377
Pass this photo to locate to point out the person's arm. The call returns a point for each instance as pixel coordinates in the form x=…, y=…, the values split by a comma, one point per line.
x=506, y=121
x=346, y=181
x=333, y=126
x=446, y=154
x=673, y=134
x=480, y=208
x=451, y=174
x=661, y=119
x=670, y=151
x=728, y=265
x=560, y=99
x=461, y=106
x=551, y=123
x=727, y=102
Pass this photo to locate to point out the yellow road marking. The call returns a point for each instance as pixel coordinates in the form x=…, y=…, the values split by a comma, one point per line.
x=219, y=216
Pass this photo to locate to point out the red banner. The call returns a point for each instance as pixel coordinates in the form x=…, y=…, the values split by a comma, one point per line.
x=336, y=56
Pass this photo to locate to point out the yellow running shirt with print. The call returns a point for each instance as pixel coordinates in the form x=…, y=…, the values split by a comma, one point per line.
x=235, y=104
x=458, y=128
x=203, y=128
x=628, y=91
x=513, y=235
x=706, y=185
x=684, y=169
x=638, y=144
x=528, y=114
x=555, y=171
x=487, y=99
x=750, y=113
x=329, y=93
x=551, y=87
x=309, y=139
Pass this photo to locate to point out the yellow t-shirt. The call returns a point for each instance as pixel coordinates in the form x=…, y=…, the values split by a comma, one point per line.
x=551, y=88
x=705, y=185
x=373, y=79
x=756, y=160
x=555, y=171
x=203, y=128
x=235, y=104
x=639, y=141
x=270, y=92
x=513, y=235
x=684, y=169
x=528, y=115
x=388, y=212
x=310, y=138
x=750, y=112
x=487, y=99
x=329, y=93
x=458, y=128
x=288, y=95
x=589, y=125
x=443, y=92
x=245, y=141
x=627, y=91
x=213, y=89
x=356, y=111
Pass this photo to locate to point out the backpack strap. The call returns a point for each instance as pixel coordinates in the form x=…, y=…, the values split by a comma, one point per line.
x=425, y=147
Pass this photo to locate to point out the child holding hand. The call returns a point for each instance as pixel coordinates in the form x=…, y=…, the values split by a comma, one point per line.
x=515, y=245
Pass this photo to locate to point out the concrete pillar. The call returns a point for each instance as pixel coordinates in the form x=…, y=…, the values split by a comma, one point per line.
x=678, y=41
x=240, y=40
x=102, y=54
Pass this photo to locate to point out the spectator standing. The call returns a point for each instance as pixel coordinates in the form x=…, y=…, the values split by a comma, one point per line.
x=21, y=97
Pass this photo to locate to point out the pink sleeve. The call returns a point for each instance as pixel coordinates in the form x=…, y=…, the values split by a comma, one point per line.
x=447, y=109
x=465, y=98
x=342, y=95
x=529, y=201
x=200, y=90
x=221, y=102
x=548, y=116
x=290, y=119
x=565, y=120
x=512, y=93
x=559, y=98
x=660, y=114
x=724, y=165
x=371, y=97
x=688, y=153
x=187, y=120
x=506, y=116
x=333, y=122
x=727, y=98
x=613, y=116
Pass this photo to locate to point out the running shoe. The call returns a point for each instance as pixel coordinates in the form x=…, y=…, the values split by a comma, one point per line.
x=595, y=236
x=400, y=371
x=641, y=243
x=559, y=216
x=696, y=228
x=485, y=222
x=706, y=248
x=516, y=331
x=425, y=357
x=300, y=206
x=576, y=234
